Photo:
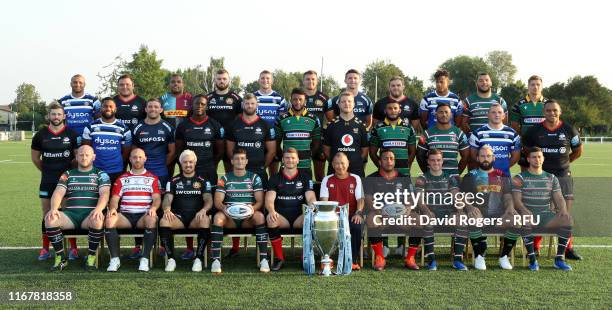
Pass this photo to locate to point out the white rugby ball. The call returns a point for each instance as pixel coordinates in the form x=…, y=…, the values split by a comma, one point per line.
x=240, y=211
x=394, y=210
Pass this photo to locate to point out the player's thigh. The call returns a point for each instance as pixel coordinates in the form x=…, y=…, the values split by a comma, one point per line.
x=220, y=219
x=62, y=221
x=45, y=204
x=175, y=223
x=281, y=222
x=299, y=222
x=120, y=221
x=255, y=220
x=93, y=223
x=146, y=221
x=200, y=222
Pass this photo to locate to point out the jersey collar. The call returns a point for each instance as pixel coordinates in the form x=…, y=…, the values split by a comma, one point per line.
x=388, y=122
x=528, y=99
x=144, y=171
x=552, y=129
x=290, y=177
x=395, y=173
x=55, y=133
x=200, y=122
x=247, y=122
x=292, y=112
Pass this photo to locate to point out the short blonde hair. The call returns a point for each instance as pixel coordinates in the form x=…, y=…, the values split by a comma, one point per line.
x=187, y=153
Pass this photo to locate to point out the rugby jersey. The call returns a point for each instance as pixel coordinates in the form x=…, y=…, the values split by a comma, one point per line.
x=476, y=109
x=154, y=140
x=429, y=183
x=363, y=106
x=528, y=113
x=107, y=140
x=397, y=138
x=79, y=111
x=503, y=141
x=239, y=189
x=429, y=103
x=298, y=131
x=536, y=190
x=83, y=188
x=347, y=190
x=175, y=108
x=449, y=141
x=136, y=191
x=269, y=105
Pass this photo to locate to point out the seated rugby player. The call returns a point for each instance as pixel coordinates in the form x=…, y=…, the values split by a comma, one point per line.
x=186, y=202
x=86, y=190
x=288, y=190
x=134, y=203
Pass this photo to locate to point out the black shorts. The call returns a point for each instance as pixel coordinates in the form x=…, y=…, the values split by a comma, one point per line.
x=45, y=190
x=263, y=175
x=186, y=216
x=567, y=185
x=133, y=218
x=114, y=176
x=163, y=181
x=209, y=175
x=291, y=214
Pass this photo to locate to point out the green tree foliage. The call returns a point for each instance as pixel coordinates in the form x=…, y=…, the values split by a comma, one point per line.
x=109, y=76
x=381, y=71
x=147, y=72
x=27, y=99
x=463, y=73
x=414, y=88
x=500, y=65
x=514, y=92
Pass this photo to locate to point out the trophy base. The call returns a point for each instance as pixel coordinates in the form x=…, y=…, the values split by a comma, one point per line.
x=326, y=263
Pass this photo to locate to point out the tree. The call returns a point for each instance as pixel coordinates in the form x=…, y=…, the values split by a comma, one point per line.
x=414, y=88
x=27, y=99
x=463, y=73
x=110, y=76
x=251, y=87
x=330, y=85
x=513, y=93
x=147, y=72
x=376, y=78
x=500, y=65
x=193, y=80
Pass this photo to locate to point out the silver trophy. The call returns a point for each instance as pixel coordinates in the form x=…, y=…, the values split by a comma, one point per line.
x=325, y=232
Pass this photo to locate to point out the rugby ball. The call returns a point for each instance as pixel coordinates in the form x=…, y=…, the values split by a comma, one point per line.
x=240, y=211
x=394, y=210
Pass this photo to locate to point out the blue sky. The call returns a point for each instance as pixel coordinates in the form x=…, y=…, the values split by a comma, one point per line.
x=46, y=42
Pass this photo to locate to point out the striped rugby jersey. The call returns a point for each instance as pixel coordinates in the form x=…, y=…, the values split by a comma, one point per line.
x=269, y=105
x=476, y=109
x=503, y=141
x=239, y=189
x=429, y=103
x=79, y=111
x=83, y=187
x=107, y=140
x=537, y=190
x=136, y=191
x=449, y=141
x=528, y=113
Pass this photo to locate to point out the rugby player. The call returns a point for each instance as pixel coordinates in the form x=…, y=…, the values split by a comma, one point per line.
x=387, y=179
x=561, y=145
x=362, y=107
x=315, y=103
x=111, y=140
x=299, y=129
x=495, y=189
x=409, y=109
x=476, y=106
x=270, y=103
x=186, y=204
x=346, y=188
x=134, y=202
x=80, y=107
x=203, y=135
x=86, y=190
x=130, y=107
x=533, y=190
x=176, y=102
x=504, y=141
x=432, y=181
x=447, y=138
x=53, y=150
x=239, y=186
x=223, y=106
x=429, y=103
x=288, y=191
x=347, y=134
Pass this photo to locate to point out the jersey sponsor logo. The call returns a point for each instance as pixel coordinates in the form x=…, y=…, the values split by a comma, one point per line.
x=499, y=148
x=249, y=144
x=192, y=192
x=561, y=150
x=394, y=144
x=220, y=107
x=194, y=144
x=105, y=141
x=533, y=120
x=266, y=112
x=347, y=140
x=152, y=139
x=78, y=114
x=297, y=135
x=56, y=155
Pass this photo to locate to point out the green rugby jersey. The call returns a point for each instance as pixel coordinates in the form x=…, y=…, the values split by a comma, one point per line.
x=397, y=138
x=239, y=189
x=476, y=109
x=83, y=188
x=528, y=113
x=449, y=141
x=537, y=190
x=298, y=131
x=429, y=183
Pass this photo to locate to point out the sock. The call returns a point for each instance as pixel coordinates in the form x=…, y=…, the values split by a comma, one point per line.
x=564, y=236
x=460, y=239
x=73, y=244
x=528, y=240
x=189, y=241
x=216, y=241
x=167, y=240
x=94, y=237
x=508, y=245
x=57, y=240
x=138, y=242
x=480, y=245
x=401, y=241
x=261, y=237
x=570, y=244
x=537, y=242
x=277, y=242
x=45, y=239
x=475, y=238
x=112, y=238
x=149, y=241
x=413, y=246
x=428, y=241
x=203, y=237
x=235, y=244
x=385, y=241
x=378, y=249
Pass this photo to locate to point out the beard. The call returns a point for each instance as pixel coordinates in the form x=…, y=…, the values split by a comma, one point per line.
x=485, y=165
x=221, y=87
x=55, y=122
x=392, y=117
x=484, y=90
x=108, y=115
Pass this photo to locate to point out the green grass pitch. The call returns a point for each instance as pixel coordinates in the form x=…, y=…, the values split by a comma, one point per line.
x=242, y=286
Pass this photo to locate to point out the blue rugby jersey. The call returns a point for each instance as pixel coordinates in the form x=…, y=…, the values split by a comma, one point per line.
x=107, y=139
x=429, y=103
x=154, y=140
x=270, y=105
x=79, y=111
x=503, y=142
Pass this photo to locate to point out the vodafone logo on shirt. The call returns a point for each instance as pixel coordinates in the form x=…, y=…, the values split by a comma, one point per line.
x=347, y=140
